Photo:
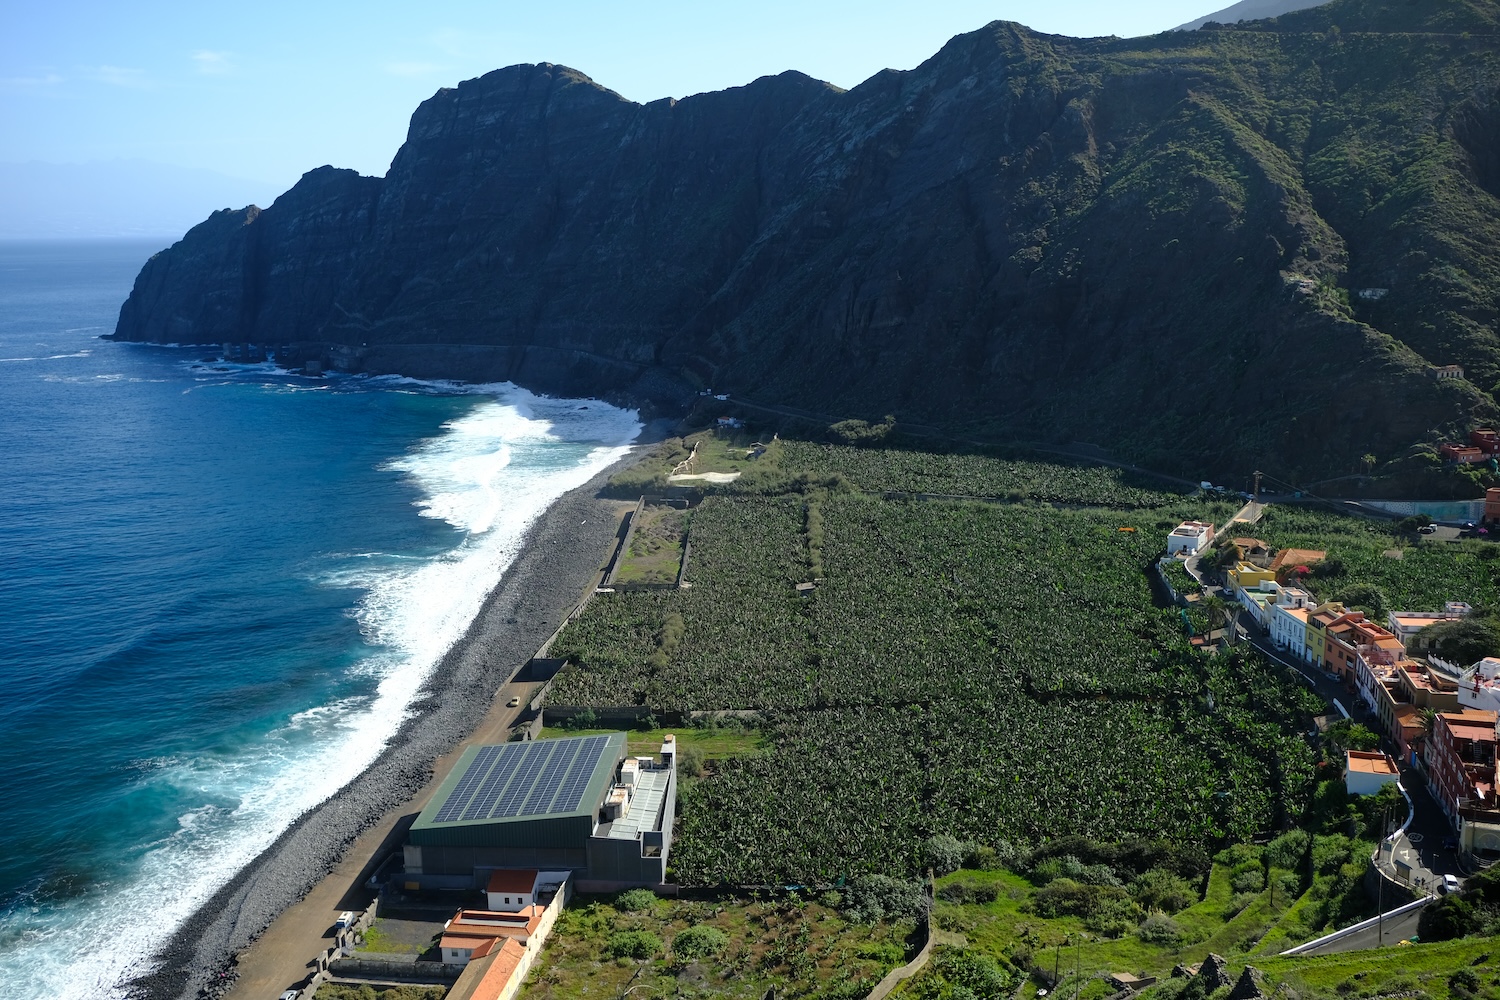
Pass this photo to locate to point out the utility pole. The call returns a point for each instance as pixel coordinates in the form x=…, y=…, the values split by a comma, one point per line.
x=1385, y=822
x=1257, y=486
x=1077, y=968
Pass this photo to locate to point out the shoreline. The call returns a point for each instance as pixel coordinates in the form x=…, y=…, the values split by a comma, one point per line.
x=562, y=551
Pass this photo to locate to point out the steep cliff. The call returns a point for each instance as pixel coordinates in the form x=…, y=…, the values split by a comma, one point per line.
x=1164, y=245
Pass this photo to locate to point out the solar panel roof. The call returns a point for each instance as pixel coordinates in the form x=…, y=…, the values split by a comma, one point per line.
x=536, y=778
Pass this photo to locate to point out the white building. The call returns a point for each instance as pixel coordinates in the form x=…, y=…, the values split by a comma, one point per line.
x=511, y=889
x=1365, y=773
x=1190, y=538
x=1289, y=620
x=1409, y=625
x=1480, y=686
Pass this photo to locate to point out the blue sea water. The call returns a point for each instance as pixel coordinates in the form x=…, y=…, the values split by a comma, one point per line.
x=221, y=586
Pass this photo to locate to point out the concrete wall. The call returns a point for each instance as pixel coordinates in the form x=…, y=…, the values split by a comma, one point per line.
x=538, y=940
x=460, y=862
x=621, y=861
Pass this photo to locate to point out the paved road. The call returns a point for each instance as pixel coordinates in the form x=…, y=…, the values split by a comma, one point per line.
x=1385, y=935
x=1422, y=846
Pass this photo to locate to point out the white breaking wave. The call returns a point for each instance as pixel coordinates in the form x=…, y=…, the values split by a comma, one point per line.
x=490, y=474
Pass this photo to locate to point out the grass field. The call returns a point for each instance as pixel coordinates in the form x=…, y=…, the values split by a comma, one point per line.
x=795, y=947
x=655, y=552
x=710, y=744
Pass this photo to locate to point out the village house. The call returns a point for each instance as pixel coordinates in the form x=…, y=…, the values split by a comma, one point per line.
x=1253, y=551
x=1341, y=641
x=1190, y=538
x=469, y=929
x=1461, y=761
x=1289, y=559
x=1480, y=686
x=1400, y=691
x=1459, y=454
x=1289, y=620
x=1255, y=588
x=1408, y=626
x=493, y=973
x=1318, y=621
x=1367, y=772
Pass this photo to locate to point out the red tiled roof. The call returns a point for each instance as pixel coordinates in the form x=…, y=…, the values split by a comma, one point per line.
x=512, y=880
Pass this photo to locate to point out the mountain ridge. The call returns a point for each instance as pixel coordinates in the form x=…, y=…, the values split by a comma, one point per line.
x=1026, y=237
x=1249, y=10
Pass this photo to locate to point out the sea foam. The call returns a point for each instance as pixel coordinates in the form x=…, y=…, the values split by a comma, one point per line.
x=490, y=474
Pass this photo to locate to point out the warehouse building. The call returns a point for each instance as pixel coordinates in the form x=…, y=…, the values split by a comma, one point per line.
x=577, y=804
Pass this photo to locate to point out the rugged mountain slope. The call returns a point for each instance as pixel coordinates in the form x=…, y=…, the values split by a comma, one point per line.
x=1154, y=244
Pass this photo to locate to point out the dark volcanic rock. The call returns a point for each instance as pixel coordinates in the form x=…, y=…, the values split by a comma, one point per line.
x=1027, y=237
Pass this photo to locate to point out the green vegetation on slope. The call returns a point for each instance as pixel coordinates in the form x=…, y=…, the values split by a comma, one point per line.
x=720, y=948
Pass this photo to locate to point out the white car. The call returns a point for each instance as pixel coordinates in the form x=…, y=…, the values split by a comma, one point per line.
x=1451, y=884
x=345, y=919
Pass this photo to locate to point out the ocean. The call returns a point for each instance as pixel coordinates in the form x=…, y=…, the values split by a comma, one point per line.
x=222, y=587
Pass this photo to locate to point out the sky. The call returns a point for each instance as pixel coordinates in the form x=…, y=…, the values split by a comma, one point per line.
x=266, y=91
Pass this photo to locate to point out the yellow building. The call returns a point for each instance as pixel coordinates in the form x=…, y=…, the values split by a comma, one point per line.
x=1317, y=623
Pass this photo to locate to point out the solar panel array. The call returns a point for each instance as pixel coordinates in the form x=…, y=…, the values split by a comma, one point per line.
x=524, y=779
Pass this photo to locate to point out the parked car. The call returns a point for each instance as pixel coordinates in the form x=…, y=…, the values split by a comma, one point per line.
x=514, y=701
x=1426, y=529
x=1450, y=884
x=1450, y=843
x=345, y=919
x=291, y=995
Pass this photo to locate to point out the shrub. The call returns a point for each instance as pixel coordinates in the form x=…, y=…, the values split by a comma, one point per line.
x=974, y=972
x=861, y=433
x=1238, y=902
x=1159, y=889
x=944, y=853
x=1288, y=850
x=1365, y=597
x=1064, y=897
x=1463, y=983
x=874, y=898
x=1158, y=928
x=633, y=944
x=690, y=762
x=635, y=900
x=1070, y=867
x=699, y=942
x=1466, y=640
x=585, y=719
x=1287, y=885
x=965, y=891
x=1115, y=916
x=1248, y=880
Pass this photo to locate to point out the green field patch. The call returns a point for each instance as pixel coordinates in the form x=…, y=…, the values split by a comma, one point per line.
x=654, y=555
x=708, y=743
x=731, y=948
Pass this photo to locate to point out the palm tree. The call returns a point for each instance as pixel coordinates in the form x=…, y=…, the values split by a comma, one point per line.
x=1217, y=611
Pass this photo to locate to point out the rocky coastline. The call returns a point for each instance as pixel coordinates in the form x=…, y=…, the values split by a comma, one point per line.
x=565, y=546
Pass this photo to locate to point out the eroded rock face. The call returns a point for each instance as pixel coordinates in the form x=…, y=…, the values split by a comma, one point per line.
x=1026, y=237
